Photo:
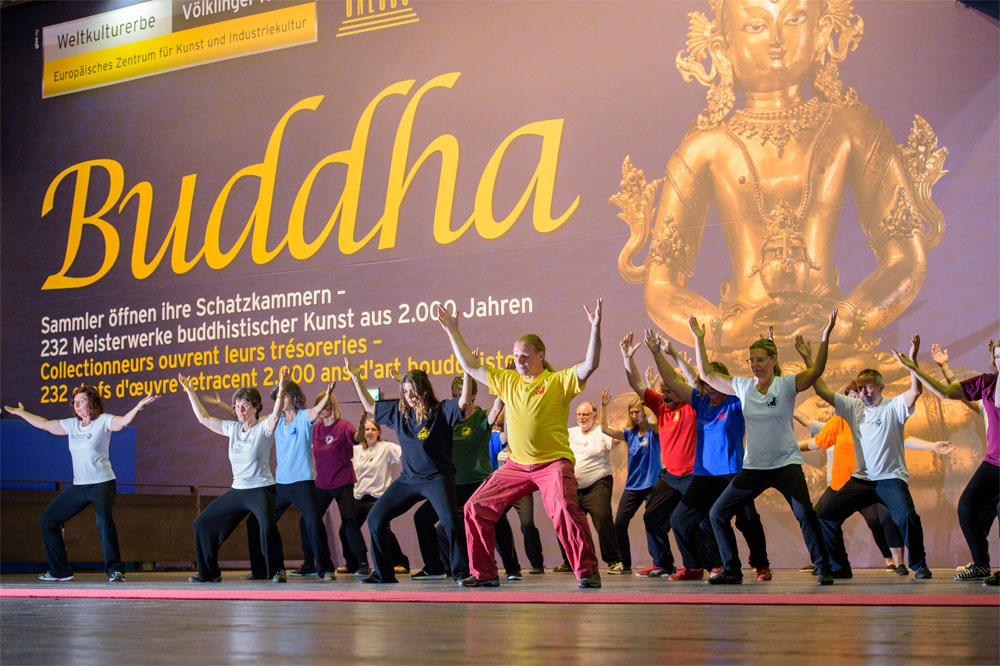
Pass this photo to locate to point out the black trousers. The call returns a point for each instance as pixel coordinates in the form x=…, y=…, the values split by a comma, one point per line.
x=595, y=501
x=302, y=495
x=879, y=521
x=349, y=525
x=352, y=562
x=72, y=500
x=402, y=494
x=690, y=516
x=218, y=520
x=981, y=498
x=628, y=505
x=744, y=488
x=525, y=508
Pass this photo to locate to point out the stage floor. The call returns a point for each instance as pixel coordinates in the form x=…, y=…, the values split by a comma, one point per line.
x=160, y=618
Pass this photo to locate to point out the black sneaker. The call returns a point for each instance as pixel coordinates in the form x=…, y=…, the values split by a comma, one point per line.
x=561, y=568
x=199, y=579
x=825, y=575
x=116, y=577
x=279, y=576
x=363, y=570
x=377, y=581
x=591, y=581
x=842, y=574
x=922, y=573
x=535, y=571
x=974, y=572
x=726, y=578
x=423, y=575
x=993, y=580
x=303, y=571
x=472, y=581
x=901, y=570
x=514, y=575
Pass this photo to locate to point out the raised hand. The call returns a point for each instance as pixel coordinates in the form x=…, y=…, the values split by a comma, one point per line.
x=804, y=348
x=904, y=360
x=939, y=355
x=914, y=346
x=15, y=410
x=696, y=329
x=286, y=375
x=650, y=376
x=830, y=325
x=628, y=349
x=352, y=370
x=649, y=337
x=148, y=399
x=445, y=317
x=605, y=397
x=594, y=316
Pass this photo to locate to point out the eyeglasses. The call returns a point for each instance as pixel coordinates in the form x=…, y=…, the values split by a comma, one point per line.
x=760, y=360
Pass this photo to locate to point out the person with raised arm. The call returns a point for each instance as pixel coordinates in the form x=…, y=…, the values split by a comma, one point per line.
x=373, y=458
x=643, y=469
x=880, y=473
x=333, y=439
x=772, y=458
x=676, y=423
x=536, y=398
x=983, y=489
x=718, y=459
x=424, y=427
x=250, y=441
x=295, y=482
x=89, y=434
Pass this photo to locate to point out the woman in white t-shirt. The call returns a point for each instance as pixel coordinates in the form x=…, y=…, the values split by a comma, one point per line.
x=253, y=491
x=89, y=433
x=772, y=458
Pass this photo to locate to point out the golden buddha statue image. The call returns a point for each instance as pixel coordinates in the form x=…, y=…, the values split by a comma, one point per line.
x=777, y=171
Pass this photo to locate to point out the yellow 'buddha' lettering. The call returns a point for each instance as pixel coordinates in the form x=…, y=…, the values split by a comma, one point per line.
x=178, y=230
x=78, y=219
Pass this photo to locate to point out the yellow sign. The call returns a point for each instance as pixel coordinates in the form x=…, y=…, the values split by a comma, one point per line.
x=268, y=31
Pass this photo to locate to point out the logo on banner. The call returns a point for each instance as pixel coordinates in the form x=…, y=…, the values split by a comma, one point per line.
x=368, y=15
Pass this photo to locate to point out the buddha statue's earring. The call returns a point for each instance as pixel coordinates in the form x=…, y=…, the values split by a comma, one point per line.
x=721, y=98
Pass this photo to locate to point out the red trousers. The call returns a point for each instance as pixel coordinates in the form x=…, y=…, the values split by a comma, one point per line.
x=510, y=483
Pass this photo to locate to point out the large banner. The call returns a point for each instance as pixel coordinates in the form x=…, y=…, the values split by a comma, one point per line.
x=222, y=188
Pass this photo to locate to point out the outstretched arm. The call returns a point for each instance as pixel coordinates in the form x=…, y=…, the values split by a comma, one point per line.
x=217, y=401
x=359, y=385
x=469, y=361
x=808, y=377
x=586, y=369
x=720, y=382
x=947, y=391
x=200, y=413
x=321, y=405
x=119, y=422
x=804, y=348
x=610, y=432
x=941, y=448
x=632, y=372
x=916, y=387
x=667, y=373
x=940, y=357
x=51, y=427
x=681, y=359
x=808, y=444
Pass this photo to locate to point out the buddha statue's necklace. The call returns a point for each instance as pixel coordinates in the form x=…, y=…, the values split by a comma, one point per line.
x=777, y=127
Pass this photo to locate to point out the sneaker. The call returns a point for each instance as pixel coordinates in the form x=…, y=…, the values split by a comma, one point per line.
x=327, y=575
x=809, y=568
x=307, y=571
x=279, y=577
x=513, y=575
x=901, y=570
x=651, y=571
x=423, y=575
x=973, y=573
x=825, y=576
x=726, y=578
x=716, y=570
x=923, y=573
x=372, y=580
x=47, y=576
x=363, y=570
x=993, y=580
x=844, y=573
x=561, y=568
x=472, y=581
x=764, y=573
x=400, y=569
x=591, y=581
x=534, y=571
x=250, y=576
x=892, y=568
x=116, y=577
x=199, y=579
x=618, y=568
x=687, y=574
x=340, y=570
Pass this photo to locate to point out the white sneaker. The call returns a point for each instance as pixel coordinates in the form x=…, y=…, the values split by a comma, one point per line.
x=116, y=577
x=47, y=576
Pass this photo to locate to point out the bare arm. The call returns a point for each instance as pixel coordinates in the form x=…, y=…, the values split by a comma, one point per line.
x=494, y=414
x=808, y=377
x=804, y=348
x=916, y=388
x=720, y=382
x=119, y=422
x=359, y=385
x=947, y=391
x=51, y=427
x=200, y=413
x=808, y=444
x=321, y=405
x=667, y=373
x=215, y=400
x=610, y=432
x=631, y=371
x=469, y=361
x=279, y=400
x=941, y=448
x=586, y=369
x=940, y=357
x=680, y=358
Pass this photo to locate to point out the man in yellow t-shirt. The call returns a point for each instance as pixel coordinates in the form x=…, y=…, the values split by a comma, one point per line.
x=536, y=400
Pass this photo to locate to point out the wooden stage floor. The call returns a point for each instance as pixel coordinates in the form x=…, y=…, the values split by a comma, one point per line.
x=875, y=618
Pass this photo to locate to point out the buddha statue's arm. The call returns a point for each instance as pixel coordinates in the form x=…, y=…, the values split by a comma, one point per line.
x=676, y=239
x=894, y=228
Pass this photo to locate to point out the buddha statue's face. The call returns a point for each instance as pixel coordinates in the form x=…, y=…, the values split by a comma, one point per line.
x=771, y=43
